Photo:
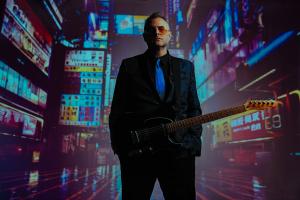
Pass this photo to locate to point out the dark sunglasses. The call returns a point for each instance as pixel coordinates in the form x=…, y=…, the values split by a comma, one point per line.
x=152, y=30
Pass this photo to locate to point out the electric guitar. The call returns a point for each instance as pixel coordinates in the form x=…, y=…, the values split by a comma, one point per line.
x=160, y=130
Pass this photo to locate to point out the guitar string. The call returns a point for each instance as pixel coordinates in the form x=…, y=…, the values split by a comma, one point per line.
x=192, y=121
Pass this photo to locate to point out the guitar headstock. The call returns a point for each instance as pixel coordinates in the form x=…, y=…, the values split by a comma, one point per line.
x=260, y=104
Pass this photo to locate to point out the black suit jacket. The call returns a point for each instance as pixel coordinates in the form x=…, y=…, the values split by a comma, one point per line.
x=135, y=95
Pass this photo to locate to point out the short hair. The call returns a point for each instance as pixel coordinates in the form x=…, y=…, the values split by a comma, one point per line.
x=151, y=17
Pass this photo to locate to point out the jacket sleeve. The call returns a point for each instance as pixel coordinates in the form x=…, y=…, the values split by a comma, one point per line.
x=118, y=108
x=193, y=138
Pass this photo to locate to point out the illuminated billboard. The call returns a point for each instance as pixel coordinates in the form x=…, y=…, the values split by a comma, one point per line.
x=42, y=96
x=124, y=24
x=82, y=97
x=138, y=24
x=84, y=58
x=12, y=80
x=97, y=34
x=21, y=86
x=80, y=110
x=3, y=74
x=30, y=125
x=23, y=28
x=249, y=126
x=129, y=24
x=16, y=122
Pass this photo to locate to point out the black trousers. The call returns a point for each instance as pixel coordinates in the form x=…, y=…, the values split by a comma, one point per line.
x=176, y=176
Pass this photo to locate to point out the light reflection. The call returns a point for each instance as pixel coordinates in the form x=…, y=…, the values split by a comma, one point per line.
x=256, y=183
x=86, y=178
x=118, y=182
x=107, y=169
x=76, y=173
x=101, y=171
x=36, y=156
x=64, y=176
x=33, y=178
x=258, y=188
x=94, y=185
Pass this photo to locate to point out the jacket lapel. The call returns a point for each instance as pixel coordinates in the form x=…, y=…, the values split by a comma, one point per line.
x=175, y=77
x=149, y=74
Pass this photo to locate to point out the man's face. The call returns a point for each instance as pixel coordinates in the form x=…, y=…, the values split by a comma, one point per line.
x=158, y=33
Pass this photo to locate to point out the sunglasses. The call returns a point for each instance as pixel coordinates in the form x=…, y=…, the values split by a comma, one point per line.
x=152, y=30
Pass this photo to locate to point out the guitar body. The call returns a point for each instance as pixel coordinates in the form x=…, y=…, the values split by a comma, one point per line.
x=151, y=137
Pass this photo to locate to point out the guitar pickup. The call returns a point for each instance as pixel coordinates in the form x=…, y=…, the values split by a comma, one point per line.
x=135, y=137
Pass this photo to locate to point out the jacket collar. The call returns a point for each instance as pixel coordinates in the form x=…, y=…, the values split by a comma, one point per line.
x=152, y=59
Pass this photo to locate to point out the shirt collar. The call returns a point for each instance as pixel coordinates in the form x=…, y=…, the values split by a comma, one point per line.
x=163, y=59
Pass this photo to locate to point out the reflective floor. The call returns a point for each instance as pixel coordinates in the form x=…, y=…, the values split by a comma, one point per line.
x=104, y=182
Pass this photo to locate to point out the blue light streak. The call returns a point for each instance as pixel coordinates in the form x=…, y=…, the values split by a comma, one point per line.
x=52, y=15
x=267, y=49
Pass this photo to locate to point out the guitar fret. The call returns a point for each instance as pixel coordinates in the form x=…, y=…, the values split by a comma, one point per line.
x=180, y=124
x=173, y=127
x=190, y=122
x=170, y=127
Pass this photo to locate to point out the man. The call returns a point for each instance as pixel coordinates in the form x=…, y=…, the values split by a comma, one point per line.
x=155, y=84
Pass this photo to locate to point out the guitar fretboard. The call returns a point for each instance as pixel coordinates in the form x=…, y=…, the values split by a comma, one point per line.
x=186, y=123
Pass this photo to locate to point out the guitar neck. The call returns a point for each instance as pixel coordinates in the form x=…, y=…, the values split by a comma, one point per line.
x=193, y=121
